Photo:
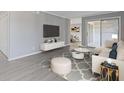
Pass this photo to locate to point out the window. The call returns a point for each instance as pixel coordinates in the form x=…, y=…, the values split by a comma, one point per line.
x=101, y=30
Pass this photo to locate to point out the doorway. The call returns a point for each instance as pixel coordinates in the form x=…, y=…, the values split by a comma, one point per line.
x=75, y=32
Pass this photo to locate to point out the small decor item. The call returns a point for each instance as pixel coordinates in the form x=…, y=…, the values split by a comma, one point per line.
x=55, y=39
x=48, y=41
x=75, y=29
x=109, y=72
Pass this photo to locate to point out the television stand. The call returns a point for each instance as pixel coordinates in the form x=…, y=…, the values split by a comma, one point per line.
x=51, y=46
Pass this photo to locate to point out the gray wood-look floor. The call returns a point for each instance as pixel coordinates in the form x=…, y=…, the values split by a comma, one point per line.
x=29, y=68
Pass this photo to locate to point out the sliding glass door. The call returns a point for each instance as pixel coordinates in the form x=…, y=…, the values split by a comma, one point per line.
x=101, y=30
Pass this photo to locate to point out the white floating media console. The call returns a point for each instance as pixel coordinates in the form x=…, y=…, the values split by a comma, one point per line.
x=53, y=45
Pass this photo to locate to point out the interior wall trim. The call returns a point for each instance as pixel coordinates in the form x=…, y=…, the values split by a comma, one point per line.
x=34, y=53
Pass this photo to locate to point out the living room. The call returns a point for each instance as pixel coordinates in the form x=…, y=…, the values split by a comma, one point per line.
x=37, y=39
x=61, y=46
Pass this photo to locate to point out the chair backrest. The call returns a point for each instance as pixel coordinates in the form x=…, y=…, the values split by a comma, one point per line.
x=108, y=43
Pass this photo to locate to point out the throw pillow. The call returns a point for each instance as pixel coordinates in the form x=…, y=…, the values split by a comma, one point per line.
x=113, y=52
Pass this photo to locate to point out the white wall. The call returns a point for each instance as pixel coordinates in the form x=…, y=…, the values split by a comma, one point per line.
x=76, y=20
x=23, y=34
x=63, y=23
x=26, y=31
x=4, y=33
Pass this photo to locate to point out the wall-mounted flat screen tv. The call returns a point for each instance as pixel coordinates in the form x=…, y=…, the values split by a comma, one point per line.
x=50, y=31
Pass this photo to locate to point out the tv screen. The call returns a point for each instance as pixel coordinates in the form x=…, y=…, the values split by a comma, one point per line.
x=50, y=30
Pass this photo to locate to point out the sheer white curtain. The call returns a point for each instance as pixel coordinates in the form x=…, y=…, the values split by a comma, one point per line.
x=93, y=30
x=109, y=30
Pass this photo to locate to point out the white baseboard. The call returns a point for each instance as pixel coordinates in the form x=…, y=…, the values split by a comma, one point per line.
x=10, y=59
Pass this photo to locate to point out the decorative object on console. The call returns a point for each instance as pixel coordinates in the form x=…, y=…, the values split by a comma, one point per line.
x=55, y=40
x=49, y=41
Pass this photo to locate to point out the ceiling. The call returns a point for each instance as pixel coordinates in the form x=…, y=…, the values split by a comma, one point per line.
x=77, y=14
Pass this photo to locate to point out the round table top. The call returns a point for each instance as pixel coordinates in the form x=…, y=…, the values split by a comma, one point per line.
x=82, y=50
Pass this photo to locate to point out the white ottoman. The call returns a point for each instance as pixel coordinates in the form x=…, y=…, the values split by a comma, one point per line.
x=61, y=65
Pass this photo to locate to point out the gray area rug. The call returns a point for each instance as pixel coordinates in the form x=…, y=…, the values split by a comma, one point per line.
x=81, y=69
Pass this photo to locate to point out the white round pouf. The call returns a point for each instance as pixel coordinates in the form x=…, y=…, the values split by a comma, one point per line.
x=61, y=65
